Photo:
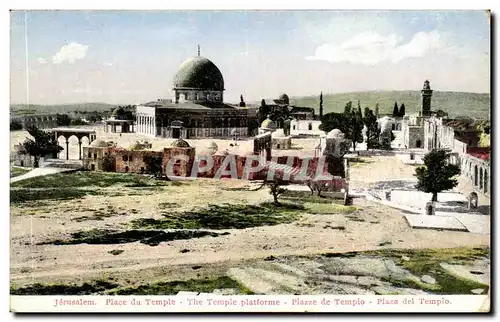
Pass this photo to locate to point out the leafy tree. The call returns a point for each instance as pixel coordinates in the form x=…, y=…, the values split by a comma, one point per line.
x=372, y=130
x=275, y=188
x=437, y=174
x=42, y=144
x=77, y=121
x=332, y=121
x=350, y=123
x=264, y=111
x=367, y=110
x=348, y=108
x=94, y=117
x=402, y=110
x=15, y=126
x=63, y=120
x=153, y=164
x=252, y=124
x=395, y=111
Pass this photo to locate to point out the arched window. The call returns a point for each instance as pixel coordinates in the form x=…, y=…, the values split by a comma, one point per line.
x=310, y=126
x=485, y=181
x=481, y=178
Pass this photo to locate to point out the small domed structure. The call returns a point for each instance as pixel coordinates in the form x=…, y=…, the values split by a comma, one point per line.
x=212, y=145
x=118, y=113
x=98, y=144
x=335, y=134
x=180, y=143
x=385, y=124
x=268, y=124
x=284, y=98
x=210, y=149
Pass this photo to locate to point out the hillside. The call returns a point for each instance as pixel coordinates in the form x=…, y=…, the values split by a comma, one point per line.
x=17, y=109
x=473, y=105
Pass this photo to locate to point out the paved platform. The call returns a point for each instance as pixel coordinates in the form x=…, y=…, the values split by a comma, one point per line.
x=475, y=223
x=435, y=222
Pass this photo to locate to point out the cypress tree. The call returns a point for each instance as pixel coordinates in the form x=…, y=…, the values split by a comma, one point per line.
x=321, y=104
x=395, y=111
x=402, y=111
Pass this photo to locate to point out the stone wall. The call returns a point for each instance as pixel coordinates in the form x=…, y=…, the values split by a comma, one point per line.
x=478, y=172
x=132, y=161
x=180, y=167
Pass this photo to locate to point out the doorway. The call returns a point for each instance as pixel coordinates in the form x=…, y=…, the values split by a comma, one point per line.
x=418, y=144
x=176, y=133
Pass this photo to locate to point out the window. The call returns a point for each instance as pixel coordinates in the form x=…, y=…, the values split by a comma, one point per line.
x=125, y=158
x=310, y=126
x=89, y=155
x=294, y=127
x=130, y=158
x=92, y=167
x=126, y=169
x=95, y=156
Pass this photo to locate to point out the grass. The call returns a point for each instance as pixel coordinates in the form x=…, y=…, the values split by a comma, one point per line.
x=226, y=216
x=17, y=171
x=81, y=179
x=207, y=285
x=63, y=289
x=328, y=208
x=148, y=237
x=18, y=196
x=426, y=262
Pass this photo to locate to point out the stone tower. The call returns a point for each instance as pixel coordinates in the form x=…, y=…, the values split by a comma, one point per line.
x=426, y=99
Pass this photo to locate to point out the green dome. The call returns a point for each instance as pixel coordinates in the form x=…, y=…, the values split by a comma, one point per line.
x=118, y=112
x=268, y=124
x=199, y=73
x=180, y=143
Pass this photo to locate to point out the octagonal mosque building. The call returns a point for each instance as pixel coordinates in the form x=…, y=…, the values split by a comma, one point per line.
x=197, y=109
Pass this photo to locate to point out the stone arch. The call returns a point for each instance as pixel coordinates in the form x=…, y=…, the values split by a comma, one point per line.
x=475, y=176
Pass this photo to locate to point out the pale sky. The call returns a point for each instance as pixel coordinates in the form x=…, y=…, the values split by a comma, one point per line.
x=131, y=57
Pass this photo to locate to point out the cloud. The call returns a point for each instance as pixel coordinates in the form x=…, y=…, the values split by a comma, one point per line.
x=42, y=60
x=70, y=53
x=371, y=48
x=108, y=64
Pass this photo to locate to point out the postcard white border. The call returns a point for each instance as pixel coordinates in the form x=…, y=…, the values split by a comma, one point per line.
x=196, y=4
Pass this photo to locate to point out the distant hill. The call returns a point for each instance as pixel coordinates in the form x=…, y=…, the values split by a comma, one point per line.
x=473, y=105
x=19, y=109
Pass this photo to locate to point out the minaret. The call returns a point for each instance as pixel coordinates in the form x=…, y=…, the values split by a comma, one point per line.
x=198, y=50
x=426, y=99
